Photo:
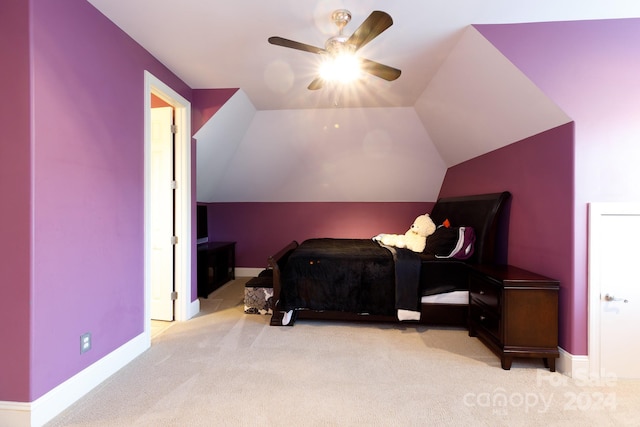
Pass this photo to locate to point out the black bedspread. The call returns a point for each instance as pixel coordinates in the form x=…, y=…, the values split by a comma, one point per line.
x=349, y=275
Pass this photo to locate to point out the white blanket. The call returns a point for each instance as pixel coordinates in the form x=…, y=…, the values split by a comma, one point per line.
x=408, y=315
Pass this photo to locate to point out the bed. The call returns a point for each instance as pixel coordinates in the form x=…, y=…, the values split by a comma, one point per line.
x=361, y=279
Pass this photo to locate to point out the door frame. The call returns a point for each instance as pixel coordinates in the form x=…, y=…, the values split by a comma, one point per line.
x=597, y=228
x=184, y=307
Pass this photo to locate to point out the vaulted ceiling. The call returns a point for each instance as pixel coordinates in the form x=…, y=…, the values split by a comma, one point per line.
x=223, y=44
x=466, y=98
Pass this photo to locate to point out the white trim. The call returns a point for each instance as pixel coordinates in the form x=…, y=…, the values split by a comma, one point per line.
x=184, y=307
x=593, y=289
x=15, y=414
x=44, y=409
x=247, y=272
x=194, y=308
x=571, y=365
x=595, y=233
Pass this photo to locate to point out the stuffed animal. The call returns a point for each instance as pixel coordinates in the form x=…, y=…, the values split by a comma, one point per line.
x=414, y=239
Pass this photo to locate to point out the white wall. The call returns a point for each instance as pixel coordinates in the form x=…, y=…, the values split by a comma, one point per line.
x=478, y=102
x=340, y=154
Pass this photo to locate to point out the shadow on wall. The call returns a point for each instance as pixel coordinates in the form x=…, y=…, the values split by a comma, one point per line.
x=261, y=229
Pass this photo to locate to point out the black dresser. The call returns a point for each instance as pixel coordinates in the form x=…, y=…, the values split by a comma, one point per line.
x=216, y=266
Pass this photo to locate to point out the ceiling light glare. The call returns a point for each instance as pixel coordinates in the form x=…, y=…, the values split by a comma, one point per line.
x=342, y=68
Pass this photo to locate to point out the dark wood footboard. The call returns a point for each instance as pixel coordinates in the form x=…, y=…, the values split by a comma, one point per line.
x=276, y=262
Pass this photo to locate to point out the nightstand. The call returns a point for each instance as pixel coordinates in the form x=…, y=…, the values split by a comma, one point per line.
x=515, y=313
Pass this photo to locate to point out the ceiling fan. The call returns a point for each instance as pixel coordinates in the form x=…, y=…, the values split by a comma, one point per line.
x=371, y=28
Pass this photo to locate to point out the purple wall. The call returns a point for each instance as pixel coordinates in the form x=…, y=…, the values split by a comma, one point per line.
x=538, y=171
x=87, y=166
x=15, y=187
x=261, y=229
x=590, y=69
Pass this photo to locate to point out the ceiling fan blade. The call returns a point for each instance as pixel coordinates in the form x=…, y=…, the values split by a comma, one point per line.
x=279, y=41
x=371, y=28
x=315, y=84
x=380, y=70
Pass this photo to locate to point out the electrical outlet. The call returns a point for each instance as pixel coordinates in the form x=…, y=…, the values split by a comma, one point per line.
x=85, y=342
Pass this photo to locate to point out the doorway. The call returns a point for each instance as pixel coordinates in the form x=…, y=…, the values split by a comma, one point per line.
x=184, y=307
x=614, y=297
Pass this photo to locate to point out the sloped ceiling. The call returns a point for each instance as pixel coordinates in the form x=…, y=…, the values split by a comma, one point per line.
x=457, y=97
x=217, y=143
x=352, y=154
x=478, y=102
x=223, y=44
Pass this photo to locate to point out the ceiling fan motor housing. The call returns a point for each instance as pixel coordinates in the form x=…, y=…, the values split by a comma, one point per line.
x=337, y=44
x=341, y=18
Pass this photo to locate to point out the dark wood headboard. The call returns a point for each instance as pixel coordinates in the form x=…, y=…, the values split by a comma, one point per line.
x=487, y=214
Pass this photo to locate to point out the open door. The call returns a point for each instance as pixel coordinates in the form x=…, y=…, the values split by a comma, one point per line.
x=162, y=214
x=185, y=303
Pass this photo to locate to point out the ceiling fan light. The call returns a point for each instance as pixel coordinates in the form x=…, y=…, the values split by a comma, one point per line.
x=341, y=68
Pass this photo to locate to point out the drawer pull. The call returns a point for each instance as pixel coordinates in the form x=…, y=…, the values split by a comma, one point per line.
x=482, y=318
x=481, y=292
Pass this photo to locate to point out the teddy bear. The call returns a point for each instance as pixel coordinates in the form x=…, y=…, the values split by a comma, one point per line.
x=414, y=239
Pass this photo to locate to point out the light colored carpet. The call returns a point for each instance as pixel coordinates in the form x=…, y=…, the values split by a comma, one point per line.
x=159, y=326
x=228, y=368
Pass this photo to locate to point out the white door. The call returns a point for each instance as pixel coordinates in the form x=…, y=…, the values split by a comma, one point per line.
x=613, y=260
x=162, y=214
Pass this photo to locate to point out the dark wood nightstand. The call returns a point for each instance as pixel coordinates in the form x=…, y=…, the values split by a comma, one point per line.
x=515, y=313
x=216, y=266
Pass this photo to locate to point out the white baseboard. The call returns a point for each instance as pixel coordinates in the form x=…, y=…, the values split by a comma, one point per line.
x=247, y=272
x=45, y=408
x=15, y=414
x=571, y=365
x=194, y=308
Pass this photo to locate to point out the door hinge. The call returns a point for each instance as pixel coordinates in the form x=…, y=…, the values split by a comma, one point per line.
x=174, y=240
x=174, y=129
x=174, y=184
x=174, y=296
